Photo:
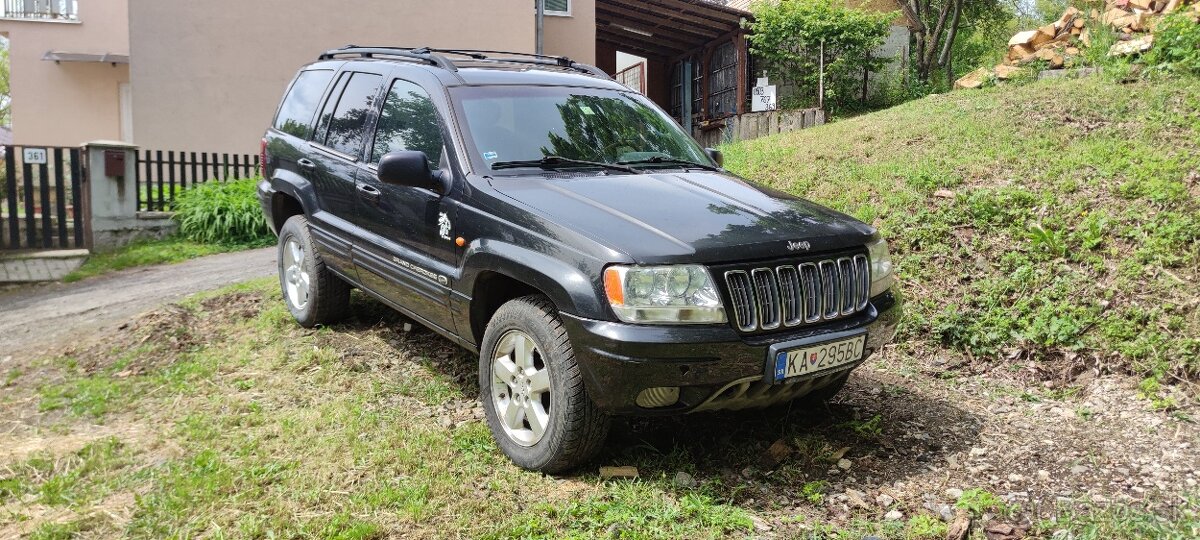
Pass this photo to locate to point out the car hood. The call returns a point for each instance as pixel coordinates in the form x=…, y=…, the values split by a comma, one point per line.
x=703, y=217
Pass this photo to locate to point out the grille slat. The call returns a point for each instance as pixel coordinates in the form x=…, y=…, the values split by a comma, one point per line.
x=808, y=293
x=767, y=296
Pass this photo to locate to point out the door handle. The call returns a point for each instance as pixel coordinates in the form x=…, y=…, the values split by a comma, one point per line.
x=370, y=192
x=306, y=164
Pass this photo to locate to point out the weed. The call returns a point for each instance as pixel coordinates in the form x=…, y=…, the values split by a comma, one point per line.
x=814, y=492
x=924, y=527
x=977, y=501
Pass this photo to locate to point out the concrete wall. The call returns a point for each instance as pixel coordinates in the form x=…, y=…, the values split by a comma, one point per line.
x=573, y=36
x=207, y=76
x=69, y=103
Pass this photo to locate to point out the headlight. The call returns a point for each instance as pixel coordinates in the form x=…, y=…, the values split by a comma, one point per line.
x=663, y=294
x=883, y=275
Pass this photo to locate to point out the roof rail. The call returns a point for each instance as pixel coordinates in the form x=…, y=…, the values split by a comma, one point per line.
x=395, y=52
x=436, y=57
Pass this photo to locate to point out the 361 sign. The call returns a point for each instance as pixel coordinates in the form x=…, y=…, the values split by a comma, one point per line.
x=34, y=156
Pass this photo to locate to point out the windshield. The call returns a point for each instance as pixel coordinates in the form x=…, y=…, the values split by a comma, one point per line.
x=509, y=124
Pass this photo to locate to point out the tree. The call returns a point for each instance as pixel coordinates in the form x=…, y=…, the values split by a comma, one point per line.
x=794, y=37
x=936, y=24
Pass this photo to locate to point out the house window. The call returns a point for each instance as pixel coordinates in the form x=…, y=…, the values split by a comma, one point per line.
x=560, y=8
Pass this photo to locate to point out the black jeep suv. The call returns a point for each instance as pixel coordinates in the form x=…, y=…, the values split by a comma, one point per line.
x=601, y=262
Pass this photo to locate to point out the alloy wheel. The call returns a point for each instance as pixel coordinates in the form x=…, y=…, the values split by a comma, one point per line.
x=521, y=388
x=295, y=277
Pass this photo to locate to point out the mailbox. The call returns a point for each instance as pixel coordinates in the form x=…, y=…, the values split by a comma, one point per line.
x=114, y=163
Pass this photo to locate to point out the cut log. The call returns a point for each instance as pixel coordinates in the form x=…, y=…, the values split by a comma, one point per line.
x=974, y=79
x=1057, y=62
x=1140, y=4
x=1073, y=51
x=1113, y=14
x=1079, y=23
x=1124, y=22
x=1135, y=46
x=1020, y=52
x=1085, y=37
x=1006, y=72
x=1023, y=38
x=1140, y=22
x=1172, y=5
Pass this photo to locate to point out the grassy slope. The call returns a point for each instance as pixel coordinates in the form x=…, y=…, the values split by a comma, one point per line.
x=1072, y=233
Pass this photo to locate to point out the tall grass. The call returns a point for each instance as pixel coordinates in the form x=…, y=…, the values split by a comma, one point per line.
x=222, y=213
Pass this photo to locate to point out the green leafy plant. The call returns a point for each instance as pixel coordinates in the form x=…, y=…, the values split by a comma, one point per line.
x=814, y=492
x=978, y=500
x=1176, y=44
x=1047, y=240
x=222, y=212
x=924, y=527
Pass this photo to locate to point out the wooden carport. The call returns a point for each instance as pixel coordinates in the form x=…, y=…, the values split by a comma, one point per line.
x=682, y=40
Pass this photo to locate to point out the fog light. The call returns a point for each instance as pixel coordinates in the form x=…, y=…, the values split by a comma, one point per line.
x=653, y=398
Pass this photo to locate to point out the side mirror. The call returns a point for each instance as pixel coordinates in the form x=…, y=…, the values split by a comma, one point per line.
x=716, y=155
x=411, y=168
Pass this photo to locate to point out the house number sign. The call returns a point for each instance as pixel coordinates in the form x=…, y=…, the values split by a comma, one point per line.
x=34, y=156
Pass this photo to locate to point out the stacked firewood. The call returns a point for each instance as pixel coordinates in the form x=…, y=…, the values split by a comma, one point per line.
x=1058, y=44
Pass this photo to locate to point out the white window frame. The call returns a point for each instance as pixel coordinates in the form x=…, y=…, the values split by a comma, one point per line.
x=551, y=13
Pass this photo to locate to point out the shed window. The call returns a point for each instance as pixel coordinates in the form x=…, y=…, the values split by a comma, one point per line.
x=556, y=7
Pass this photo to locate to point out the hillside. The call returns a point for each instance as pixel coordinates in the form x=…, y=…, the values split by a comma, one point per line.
x=1049, y=229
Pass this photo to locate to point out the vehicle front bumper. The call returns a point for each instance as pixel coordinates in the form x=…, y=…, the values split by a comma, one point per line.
x=714, y=367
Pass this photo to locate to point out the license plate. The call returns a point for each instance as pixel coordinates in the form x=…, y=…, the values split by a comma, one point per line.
x=820, y=357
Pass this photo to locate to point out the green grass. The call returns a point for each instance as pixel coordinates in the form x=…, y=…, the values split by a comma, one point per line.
x=1059, y=220
x=146, y=253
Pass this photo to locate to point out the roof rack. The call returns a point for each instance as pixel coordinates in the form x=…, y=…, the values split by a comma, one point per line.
x=437, y=57
x=394, y=52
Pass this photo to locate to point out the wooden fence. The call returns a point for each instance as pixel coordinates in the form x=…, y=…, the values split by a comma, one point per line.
x=754, y=125
x=162, y=175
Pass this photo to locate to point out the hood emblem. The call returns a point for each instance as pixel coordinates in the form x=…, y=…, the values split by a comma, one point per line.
x=801, y=245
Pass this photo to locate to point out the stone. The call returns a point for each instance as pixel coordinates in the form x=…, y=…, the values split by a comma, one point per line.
x=894, y=515
x=1043, y=475
x=684, y=480
x=885, y=500
x=1079, y=469
x=844, y=464
x=954, y=493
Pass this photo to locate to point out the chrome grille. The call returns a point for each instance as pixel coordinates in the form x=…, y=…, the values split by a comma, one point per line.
x=766, y=298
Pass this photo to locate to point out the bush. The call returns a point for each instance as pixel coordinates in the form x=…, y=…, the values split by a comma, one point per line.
x=788, y=37
x=222, y=213
x=1176, y=44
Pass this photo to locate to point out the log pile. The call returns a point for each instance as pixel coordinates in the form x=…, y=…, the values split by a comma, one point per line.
x=1059, y=43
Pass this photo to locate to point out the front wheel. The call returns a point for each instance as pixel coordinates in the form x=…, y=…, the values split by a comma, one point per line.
x=532, y=390
x=314, y=295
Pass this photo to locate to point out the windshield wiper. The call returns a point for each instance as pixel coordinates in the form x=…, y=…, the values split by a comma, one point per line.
x=660, y=160
x=555, y=162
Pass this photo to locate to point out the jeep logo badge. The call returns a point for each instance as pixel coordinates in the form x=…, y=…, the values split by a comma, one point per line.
x=799, y=246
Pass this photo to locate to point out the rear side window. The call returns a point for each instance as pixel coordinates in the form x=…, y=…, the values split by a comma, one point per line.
x=358, y=101
x=409, y=121
x=298, y=107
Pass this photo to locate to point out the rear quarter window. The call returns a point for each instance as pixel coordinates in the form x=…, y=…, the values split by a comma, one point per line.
x=300, y=105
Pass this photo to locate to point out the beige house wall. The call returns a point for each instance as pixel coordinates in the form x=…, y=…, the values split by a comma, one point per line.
x=573, y=36
x=68, y=103
x=207, y=76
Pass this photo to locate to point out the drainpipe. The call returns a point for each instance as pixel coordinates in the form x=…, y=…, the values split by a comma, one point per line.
x=541, y=26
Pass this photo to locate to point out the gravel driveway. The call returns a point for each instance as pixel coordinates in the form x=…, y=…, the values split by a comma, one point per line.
x=31, y=318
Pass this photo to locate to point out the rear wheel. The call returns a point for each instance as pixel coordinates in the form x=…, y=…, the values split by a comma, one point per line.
x=314, y=295
x=532, y=390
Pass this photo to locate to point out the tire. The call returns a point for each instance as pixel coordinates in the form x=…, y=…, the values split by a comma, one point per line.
x=827, y=392
x=312, y=292
x=551, y=391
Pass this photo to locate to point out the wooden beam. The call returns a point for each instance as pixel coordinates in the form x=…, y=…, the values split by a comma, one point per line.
x=620, y=15
x=640, y=49
x=629, y=35
x=673, y=14
x=693, y=40
x=637, y=11
x=743, y=76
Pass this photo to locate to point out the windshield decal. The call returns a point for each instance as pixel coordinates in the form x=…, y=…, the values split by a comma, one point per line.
x=491, y=156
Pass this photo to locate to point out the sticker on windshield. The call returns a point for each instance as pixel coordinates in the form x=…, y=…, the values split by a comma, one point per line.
x=490, y=155
x=587, y=110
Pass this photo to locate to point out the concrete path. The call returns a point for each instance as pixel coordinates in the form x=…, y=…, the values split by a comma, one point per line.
x=32, y=317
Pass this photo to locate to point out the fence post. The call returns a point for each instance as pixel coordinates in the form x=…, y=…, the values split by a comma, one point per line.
x=112, y=190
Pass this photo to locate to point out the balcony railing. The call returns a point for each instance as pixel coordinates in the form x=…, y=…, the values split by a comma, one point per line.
x=41, y=10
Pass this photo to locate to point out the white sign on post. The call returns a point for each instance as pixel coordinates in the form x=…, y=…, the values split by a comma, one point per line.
x=34, y=156
x=763, y=97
